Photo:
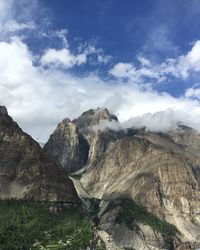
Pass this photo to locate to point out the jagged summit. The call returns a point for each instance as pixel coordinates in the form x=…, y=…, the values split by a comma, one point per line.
x=69, y=144
x=99, y=113
x=88, y=119
x=63, y=124
x=3, y=110
x=66, y=120
x=93, y=117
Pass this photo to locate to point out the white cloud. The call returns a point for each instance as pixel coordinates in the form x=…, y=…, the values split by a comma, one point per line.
x=63, y=58
x=144, y=61
x=95, y=55
x=122, y=70
x=179, y=67
x=193, y=92
x=17, y=16
x=161, y=121
x=62, y=35
x=67, y=59
x=13, y=26
x=13, y=61
x=103, y=59
x=130, y=72
x=190, y=62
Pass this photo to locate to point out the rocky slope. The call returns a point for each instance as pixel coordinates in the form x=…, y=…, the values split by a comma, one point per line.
x=26, y=171
x=159, y=172
x=162, y=179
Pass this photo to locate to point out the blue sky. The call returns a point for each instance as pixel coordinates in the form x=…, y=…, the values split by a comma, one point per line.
x=140, y=59
x=125, y=28
x=155, y=29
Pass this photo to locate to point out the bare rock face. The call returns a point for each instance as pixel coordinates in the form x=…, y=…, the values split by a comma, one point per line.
x=130, y=231
x=88, y=125
x=156, y=173
x=68, y=146
x=26, y=171
x=189, y=139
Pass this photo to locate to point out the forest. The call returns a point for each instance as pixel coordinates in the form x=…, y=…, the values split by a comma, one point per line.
x=32, y=225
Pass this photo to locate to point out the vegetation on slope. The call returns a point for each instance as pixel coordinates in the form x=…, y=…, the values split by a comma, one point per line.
x=131, y=213
x=30, y=225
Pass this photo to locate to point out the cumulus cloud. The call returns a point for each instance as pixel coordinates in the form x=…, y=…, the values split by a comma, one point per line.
x=122, y=70
x=189, y=62
x=66, y=59
x=193, y=92
x=63, y=58
x=137, y=74
x=179, y=67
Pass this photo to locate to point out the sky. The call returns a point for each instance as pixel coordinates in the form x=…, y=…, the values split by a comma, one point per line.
x=140, y=59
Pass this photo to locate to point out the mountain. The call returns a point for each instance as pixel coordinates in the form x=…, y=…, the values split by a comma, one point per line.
x=70, y=142
x=147, y=184
x=26, y=171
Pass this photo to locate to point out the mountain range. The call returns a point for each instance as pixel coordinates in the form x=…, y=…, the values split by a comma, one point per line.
x=140, y=188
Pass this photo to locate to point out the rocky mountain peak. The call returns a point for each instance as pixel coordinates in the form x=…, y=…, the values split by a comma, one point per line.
x=66, y=120
x=71, y=142
x=65, y=123
x=3, y=110
x=93, y=117
x=98, y=114
x=104, y=114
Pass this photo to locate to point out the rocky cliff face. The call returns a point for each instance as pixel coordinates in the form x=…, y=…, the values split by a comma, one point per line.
x=68, y=146
x=160, y=172
x=26, y=171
